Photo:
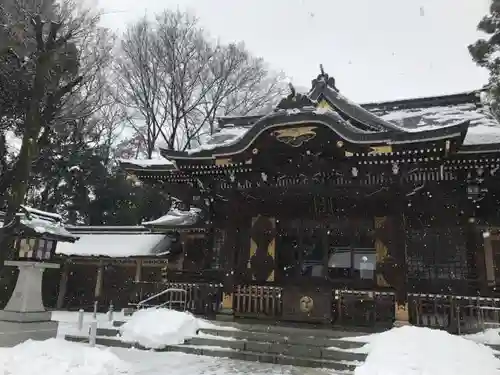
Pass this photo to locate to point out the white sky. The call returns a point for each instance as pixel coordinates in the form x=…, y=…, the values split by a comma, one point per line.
x=375, y=49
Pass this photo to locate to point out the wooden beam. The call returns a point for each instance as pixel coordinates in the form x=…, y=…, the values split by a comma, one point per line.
x=99, y=280
x=138, y=271
x=63, y=284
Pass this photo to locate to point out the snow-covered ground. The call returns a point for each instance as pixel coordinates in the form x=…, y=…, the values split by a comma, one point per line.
x=400, y=351
x=422, y=351
x=57, y=357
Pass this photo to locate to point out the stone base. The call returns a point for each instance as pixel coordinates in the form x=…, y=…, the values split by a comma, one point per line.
x=25, y=317
x=13, y=333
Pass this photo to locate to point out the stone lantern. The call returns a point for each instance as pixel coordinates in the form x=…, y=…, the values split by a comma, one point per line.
x=35, y=235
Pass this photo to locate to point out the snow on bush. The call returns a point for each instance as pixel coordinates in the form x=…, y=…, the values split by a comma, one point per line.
x=423, y=351
x=58, y=357
x=155, y=328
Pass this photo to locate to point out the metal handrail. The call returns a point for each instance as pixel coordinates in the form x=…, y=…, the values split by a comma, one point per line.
x=171, y=301
x=152, y=297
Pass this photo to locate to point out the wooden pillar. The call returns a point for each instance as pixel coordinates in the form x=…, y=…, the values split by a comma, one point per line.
x=489, y=260
x=63, y=284
x=228, y=255
x=99, y=280
x=480, y=265
x=391, y=270
x=401, y=269
x=271, y=249
x=138, y=270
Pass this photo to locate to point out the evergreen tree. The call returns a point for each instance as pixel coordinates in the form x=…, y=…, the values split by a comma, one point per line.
x=486, y=52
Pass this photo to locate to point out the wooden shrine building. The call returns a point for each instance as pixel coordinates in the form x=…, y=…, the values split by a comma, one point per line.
x=108, y=264
x=320, y=198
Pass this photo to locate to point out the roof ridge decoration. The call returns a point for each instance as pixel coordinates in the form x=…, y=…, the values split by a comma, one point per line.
x=325, y=91
x=295, y=100
x=324, y=77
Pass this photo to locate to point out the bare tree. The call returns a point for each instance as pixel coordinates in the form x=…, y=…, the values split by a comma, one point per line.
x=175, y=81
x=61, y=73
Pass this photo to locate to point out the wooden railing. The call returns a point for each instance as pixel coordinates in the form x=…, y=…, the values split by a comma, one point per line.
x=455, y=314
x=201, y=298
x=363, y=308
x=257, y=301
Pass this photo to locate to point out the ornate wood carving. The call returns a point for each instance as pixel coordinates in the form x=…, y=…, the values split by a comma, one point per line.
x=262, y=248
x=295, y=100
x=307, y=304
x=295, y=137
x=391, y=257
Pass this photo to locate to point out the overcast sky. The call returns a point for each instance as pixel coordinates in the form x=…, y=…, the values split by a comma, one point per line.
x=376, y=49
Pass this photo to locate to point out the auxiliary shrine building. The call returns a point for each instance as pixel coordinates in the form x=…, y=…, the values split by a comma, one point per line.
x=323, y=209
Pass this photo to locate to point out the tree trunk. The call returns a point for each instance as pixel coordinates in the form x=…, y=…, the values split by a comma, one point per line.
x=22, y=168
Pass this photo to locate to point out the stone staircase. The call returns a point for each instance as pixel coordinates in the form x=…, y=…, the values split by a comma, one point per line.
x=317, y=348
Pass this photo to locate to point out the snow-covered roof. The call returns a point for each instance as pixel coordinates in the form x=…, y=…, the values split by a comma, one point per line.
x=42, y=223
x=225, y=136
x=45, y=227
x=483, y=129
x=176, y=217
x=41, y=213
x=116, y=245
x=148, y=162
x=410, y=116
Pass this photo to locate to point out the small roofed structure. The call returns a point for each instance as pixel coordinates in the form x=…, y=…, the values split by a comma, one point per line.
x=108, y=262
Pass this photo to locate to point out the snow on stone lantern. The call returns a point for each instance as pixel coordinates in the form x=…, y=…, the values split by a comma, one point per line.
x=36, y=234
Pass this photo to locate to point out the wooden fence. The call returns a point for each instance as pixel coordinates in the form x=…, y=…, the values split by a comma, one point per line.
x=257, y=301
x=455, y=314
x=355, y=308
x=358, y=308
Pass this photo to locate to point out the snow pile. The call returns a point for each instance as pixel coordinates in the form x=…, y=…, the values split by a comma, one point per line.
x=155, y=328
x=423, y=351
x=490, y=336
x=58, y=357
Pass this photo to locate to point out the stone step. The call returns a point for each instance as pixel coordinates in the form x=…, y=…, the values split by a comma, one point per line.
x=288, y=330
x=221, y=352
x=104, y=341
x=108, y=332
x=240, y=337
x=291, y=330
x=269, y=358
x=494, y=347
x=294, y=350
x=284, y=339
